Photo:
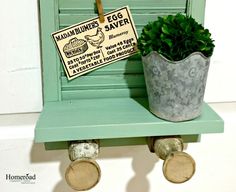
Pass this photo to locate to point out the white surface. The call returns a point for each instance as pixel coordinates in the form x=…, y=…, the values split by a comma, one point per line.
x=17, y=126
x=20, y=73
x=20, y=78
x=219, y=19
x=124, y=169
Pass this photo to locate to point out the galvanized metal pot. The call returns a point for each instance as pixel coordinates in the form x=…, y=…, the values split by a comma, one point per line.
x=176, y=89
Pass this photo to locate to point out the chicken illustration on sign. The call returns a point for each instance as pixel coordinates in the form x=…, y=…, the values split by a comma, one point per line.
x=89, y=45
x=97, y=39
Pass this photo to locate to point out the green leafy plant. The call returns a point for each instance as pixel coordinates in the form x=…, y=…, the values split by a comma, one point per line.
x=175, y=37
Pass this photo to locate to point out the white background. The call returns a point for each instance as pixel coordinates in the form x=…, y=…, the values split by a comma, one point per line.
x=20, y=78
x=124, y=169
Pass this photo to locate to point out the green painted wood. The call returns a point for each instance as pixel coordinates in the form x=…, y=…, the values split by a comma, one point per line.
x=50, y=60
x=103, y=93
x=136, y=10
x=140, y=20
x=151, y=5
x=99, y=105
x=196, y=8
x=61, y=145
x=114, y=118
x=104, y=82
x=118, y=142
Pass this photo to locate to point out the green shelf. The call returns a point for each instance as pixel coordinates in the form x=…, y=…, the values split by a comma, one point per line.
x=102, y=104
x=114, y=118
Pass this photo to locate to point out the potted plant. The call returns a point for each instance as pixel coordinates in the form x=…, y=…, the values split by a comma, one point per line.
x=176, y=53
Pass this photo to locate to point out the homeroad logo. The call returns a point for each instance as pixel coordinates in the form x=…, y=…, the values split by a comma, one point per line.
x=23, y=179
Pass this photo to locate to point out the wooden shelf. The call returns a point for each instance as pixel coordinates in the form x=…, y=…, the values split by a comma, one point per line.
x=114, y=118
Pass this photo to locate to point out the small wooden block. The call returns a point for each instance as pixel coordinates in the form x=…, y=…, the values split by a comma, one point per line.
x=178, y=167
x=83, y=174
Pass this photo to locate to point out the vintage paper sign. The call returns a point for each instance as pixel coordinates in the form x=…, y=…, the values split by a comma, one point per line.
x=89, y=45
